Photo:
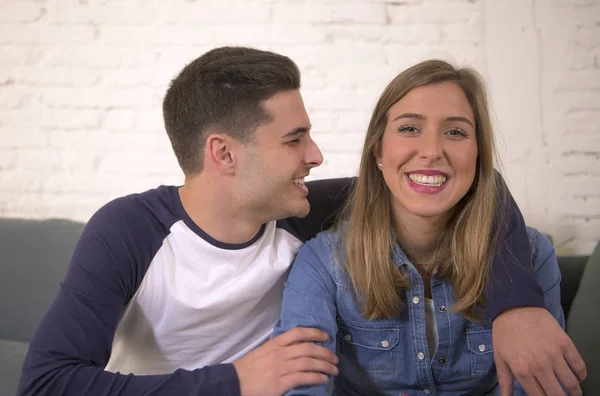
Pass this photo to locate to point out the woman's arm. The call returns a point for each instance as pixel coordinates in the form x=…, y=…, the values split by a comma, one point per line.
x=309, y=300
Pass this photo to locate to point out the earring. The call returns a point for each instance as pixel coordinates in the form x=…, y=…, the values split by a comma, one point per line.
x=380, y=165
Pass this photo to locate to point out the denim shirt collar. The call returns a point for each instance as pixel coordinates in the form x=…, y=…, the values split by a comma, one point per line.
x=404, y=264
x=400, y=257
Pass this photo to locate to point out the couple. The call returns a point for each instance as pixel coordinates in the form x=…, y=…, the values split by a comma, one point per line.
x=176, y=291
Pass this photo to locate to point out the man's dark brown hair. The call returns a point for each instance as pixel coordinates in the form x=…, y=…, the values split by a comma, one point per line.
x=223, y=91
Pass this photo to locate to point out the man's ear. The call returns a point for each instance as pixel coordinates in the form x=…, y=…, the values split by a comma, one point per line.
x=220, y=153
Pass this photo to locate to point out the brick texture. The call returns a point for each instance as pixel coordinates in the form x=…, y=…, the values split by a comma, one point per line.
x=81, y=82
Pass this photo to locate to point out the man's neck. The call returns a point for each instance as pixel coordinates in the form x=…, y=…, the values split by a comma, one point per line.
x=211, y=206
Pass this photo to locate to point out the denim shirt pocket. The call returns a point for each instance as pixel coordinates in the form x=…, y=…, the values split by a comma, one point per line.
x=481, y=350
x=370, y=347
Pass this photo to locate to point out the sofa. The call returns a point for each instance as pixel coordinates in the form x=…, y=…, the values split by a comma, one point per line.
x=35, y=254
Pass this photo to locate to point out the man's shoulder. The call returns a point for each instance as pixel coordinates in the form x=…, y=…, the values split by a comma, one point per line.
x=157, y=202
x=121, y=239
x=150, y=212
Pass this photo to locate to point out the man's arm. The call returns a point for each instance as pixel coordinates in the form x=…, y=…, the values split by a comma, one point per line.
x=72, y=344
x=515, y=301
x=528, y=341
x=512, y=281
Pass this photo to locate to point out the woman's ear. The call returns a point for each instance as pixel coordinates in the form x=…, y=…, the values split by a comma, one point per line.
x=377, y=155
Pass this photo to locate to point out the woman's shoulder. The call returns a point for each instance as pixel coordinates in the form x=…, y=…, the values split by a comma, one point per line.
x=325, y=242
x=541, y=245
x=322, y=252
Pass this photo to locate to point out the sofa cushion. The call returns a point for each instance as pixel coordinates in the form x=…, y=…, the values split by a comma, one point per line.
x=12, y=354
x=583, y=325
x=34, y=256
x=571, y=269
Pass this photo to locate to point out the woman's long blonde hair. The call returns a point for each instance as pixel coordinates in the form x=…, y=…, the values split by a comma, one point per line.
x=466, y=248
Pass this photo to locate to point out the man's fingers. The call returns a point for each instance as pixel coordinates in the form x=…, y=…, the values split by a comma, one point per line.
x=505, y=377
x=531, y=386
x=300, y=334
x=523, y=372
x=529, y=381
x=306, y=364
x=567, y=378
x=308, y=349
x=549, y=383
x=298, y=379
x=575, y=362
x=287, y=361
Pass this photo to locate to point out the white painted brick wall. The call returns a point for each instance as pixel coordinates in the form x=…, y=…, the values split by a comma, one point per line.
x=81, y=83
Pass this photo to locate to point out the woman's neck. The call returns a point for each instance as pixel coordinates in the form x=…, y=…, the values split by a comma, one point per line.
x=419, y=237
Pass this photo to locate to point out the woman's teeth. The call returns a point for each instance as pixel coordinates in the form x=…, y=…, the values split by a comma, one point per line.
x=424, y=180
x=299, y=182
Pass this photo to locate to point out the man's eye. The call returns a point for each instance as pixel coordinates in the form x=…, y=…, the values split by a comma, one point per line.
x=294, y=142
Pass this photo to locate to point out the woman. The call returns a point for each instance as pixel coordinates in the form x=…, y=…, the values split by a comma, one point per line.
x=399, y=285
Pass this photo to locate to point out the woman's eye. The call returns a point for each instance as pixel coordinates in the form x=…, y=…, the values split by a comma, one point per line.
x=408, y=128
x=456, y=132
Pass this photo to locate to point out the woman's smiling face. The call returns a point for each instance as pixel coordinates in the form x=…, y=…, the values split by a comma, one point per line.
x=428, y=152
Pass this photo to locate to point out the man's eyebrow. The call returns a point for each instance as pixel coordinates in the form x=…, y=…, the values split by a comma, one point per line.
x=421, y=117
x=296, y=131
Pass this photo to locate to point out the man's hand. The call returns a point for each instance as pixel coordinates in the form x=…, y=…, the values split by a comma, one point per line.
x=530, y=345
x=285, y=362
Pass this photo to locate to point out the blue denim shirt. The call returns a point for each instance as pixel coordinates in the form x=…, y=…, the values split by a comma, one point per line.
x=390, y=356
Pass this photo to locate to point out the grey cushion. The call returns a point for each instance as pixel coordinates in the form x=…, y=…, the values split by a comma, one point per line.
x=34, y=256
x=571, y=270
x=12, y=353
x=583, y=324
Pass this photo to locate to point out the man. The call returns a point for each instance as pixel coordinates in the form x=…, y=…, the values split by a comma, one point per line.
x=175, y=290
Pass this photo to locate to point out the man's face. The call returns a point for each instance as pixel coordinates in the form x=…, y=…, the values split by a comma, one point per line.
x=272, y=170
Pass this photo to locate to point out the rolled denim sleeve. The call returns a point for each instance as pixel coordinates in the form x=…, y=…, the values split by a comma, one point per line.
x=547, y=273
x=309, y=300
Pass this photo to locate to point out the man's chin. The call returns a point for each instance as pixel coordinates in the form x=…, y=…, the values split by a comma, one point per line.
x=301, y=211
x=298, y=209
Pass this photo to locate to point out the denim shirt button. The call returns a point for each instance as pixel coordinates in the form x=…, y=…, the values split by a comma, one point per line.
x=442, y=308
x=481, y=348
x=348, y=337
x=385, y=343
x=441, y=360
x=421, y=355
x=416, y=300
